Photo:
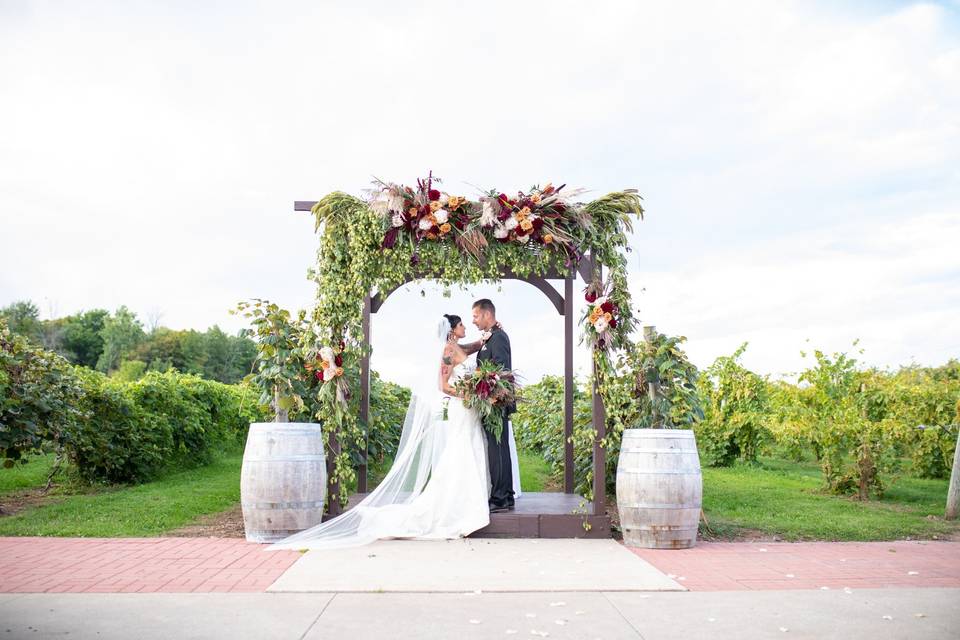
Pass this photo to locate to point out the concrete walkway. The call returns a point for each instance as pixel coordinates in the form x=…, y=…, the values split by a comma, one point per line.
x=394, y=566
x=914, y=614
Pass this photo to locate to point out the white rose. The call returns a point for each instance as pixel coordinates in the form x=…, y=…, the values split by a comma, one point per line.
x=599, y=301
x=441, y=215
x=500, y=232
x=326, y=353
x=397, y=220
x=425, y=224
x=601, y=324
x=487, y=216
x=511, y=223
x=522, y=239
x=444, y=199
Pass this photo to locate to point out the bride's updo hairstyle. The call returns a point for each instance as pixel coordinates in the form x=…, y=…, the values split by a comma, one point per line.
x=453, y=320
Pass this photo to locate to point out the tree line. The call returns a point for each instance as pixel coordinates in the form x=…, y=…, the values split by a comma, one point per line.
x=118, y=344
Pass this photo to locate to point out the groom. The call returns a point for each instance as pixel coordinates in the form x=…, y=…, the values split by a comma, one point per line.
x=496, y=349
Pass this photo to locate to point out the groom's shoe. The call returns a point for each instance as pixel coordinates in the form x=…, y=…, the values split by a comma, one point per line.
x=500, y=508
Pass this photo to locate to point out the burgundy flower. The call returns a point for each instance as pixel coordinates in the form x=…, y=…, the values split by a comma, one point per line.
x=343, y=345
x=425, y=210
x=503, y=199
x=433, y=194
x=338, y=360
x=607, y=307
x=613, y=323
x=537, y=224
x=318, y=375
x=591, y=296
x=390, y=239
x=483, y=388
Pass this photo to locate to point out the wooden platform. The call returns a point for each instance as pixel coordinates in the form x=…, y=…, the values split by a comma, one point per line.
x=541, y=515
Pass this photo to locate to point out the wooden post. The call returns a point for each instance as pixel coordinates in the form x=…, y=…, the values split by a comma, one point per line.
x=599, y=425
x=568, y=383
x=365, y=397
x=953, y=490
x=279, y=415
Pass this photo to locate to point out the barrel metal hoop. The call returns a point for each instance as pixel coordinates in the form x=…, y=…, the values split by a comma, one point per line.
x=659, y=473
x=313, y=504
x=656, y=505
x=295, y=457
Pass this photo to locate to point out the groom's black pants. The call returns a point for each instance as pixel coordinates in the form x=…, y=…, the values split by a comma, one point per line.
x=501, y=471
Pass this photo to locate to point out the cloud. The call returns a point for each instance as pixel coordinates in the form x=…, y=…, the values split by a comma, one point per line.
x=151, y=154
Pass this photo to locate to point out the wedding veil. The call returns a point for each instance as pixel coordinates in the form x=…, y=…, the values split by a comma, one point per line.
x=421, y=445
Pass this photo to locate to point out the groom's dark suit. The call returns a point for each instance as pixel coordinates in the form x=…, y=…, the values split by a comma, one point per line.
x=497, y=349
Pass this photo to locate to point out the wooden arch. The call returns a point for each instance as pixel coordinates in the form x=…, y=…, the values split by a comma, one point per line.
x=534, y=524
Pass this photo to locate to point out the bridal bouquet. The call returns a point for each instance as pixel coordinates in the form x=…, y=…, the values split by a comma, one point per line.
x=491, y=390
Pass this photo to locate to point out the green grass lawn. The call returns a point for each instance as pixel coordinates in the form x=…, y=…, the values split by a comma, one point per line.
x=786, y=499
x=778, y=498
x=144, y=510
x=26, y=476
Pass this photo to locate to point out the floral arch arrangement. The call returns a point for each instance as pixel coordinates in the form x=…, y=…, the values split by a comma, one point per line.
x=401, y=233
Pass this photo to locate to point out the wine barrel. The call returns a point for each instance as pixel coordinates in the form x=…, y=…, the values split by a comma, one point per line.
x=659, y=488
x=283, y=481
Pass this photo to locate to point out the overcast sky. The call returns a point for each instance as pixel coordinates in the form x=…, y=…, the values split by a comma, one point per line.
x=799, y=161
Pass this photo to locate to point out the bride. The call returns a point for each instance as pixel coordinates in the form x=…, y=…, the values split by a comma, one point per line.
x=439, y=484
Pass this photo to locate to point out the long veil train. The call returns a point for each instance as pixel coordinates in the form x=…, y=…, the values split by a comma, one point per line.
x=449, y=453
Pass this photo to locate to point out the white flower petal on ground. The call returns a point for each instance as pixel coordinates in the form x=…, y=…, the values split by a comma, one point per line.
x=784, y=629
x=847, y=590
x=531, y=615
x=824, y=588
x=919, y=615
x=888, y=617
x=560, y=622
x=711, y=619
x=913, y=573
x=579, y=613
x=510, y=632
x=790, y=575
x=558, y=604
x=474, y=621
x=762, y=549
x=542, y=634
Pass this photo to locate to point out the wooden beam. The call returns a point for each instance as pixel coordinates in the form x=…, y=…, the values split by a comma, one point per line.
x=600, y=426
x=568, y=384
x=303, y=205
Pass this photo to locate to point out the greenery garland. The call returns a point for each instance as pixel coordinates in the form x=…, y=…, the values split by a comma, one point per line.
x=380, y=244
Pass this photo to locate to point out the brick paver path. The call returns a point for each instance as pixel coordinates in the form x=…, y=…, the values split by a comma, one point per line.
x=123, y=565
x=733, y=566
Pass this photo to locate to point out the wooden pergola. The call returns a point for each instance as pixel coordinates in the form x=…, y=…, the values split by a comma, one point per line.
x=545, y=515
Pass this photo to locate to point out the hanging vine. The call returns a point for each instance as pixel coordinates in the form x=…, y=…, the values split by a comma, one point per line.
x=402, y=233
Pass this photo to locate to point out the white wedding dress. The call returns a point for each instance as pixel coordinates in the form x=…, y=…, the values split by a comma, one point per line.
x=437, y=487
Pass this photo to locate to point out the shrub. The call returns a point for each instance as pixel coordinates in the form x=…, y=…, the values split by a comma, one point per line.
x=735, y=403
x=135, y=429
x=39, y=398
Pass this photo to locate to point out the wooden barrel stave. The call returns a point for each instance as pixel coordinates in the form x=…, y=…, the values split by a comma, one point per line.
x=283, y=481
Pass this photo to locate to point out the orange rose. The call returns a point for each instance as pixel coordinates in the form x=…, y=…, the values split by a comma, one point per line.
x=454, y=201
x=547, y=190
x=339, y=371
x=431, y=236
x=535, y=198
x=526, y=225
x=547, y=238
x=525, y=212
x=434, y=205
x=324, y=364
x=413, y=212
x=445, y=227
x=608, y=316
